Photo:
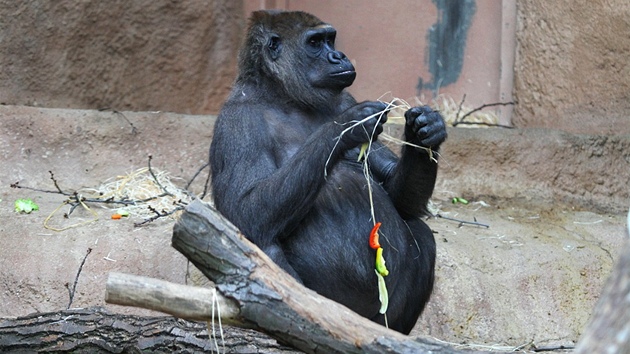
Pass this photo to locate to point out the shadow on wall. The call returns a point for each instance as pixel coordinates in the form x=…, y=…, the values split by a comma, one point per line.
x=447, y=42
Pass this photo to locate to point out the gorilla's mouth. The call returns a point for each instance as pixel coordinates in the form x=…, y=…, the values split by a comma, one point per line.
x=343, y=73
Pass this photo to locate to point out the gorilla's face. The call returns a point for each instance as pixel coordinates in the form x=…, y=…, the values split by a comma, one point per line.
x=308, y=59
x=329, y=68
x=293, y=53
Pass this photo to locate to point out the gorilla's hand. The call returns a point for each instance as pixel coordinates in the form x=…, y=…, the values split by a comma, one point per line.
x=363, y=128
x=425, y=127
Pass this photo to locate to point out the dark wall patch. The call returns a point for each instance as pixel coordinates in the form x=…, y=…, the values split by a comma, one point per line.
x=447, y=43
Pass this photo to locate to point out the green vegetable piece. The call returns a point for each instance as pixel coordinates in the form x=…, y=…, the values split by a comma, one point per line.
x=459, y=200
x=25, y=206
x=122, y=212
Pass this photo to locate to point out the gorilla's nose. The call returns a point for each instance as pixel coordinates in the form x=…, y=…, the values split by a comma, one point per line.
x=336, y=57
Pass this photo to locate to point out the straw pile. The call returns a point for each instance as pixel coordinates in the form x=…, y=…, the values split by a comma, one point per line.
x=142, y=187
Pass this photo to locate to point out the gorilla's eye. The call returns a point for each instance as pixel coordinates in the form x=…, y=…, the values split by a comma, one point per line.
x=274, y=46
x=274, y=43
x=315, y=41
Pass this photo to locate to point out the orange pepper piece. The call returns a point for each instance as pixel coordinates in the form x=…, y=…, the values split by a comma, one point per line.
x=374, y=237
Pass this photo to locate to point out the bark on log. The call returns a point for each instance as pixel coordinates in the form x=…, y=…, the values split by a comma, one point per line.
x=272, y=301
x=96, y=331
x=609, y=329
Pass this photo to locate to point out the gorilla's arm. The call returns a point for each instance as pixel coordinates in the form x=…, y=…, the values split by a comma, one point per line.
x=262, y=200
x=412, y=181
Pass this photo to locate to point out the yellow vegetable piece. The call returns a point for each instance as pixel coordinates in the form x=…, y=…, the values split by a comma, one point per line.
x=362, y=151
x=380, y=263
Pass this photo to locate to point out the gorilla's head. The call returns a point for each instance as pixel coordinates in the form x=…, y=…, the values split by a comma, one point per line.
x=296, y=52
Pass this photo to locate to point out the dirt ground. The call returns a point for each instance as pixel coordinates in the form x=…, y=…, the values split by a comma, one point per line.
x=532, y=275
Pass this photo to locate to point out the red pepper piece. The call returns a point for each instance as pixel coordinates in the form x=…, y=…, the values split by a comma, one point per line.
x=374, y=237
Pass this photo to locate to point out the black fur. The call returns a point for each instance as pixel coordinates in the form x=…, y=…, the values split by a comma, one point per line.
x=285, y=175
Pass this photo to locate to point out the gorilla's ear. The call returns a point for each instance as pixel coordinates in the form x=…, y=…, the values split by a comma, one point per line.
x=274, y=45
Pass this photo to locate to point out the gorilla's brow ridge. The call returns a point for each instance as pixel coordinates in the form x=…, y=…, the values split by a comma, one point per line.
x=324, y=25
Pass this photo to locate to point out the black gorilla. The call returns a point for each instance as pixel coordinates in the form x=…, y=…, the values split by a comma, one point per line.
x=284, y=174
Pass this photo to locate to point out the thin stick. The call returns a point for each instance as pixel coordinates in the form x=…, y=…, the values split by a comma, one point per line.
x=52, y=176
x=462, y=222
x=486, y=124
x=134, y=131
x=460, y=121
x=160, y=214
x=76, y=279
x=459, y=109
x=156, y=179
x=554, y=348
x=17, y=185
x=205, y=186
x=207, y=164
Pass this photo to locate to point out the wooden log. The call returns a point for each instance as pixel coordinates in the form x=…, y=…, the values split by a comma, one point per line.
x=94, y=330
x=272, y=301
x=183, y=301
x=257, y=294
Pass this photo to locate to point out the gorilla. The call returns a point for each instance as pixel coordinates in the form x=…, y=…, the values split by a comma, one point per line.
x=285, y=171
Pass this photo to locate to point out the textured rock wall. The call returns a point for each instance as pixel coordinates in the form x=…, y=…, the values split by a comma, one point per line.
x=572, y=69
x=127, y=55
x=589, y=172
